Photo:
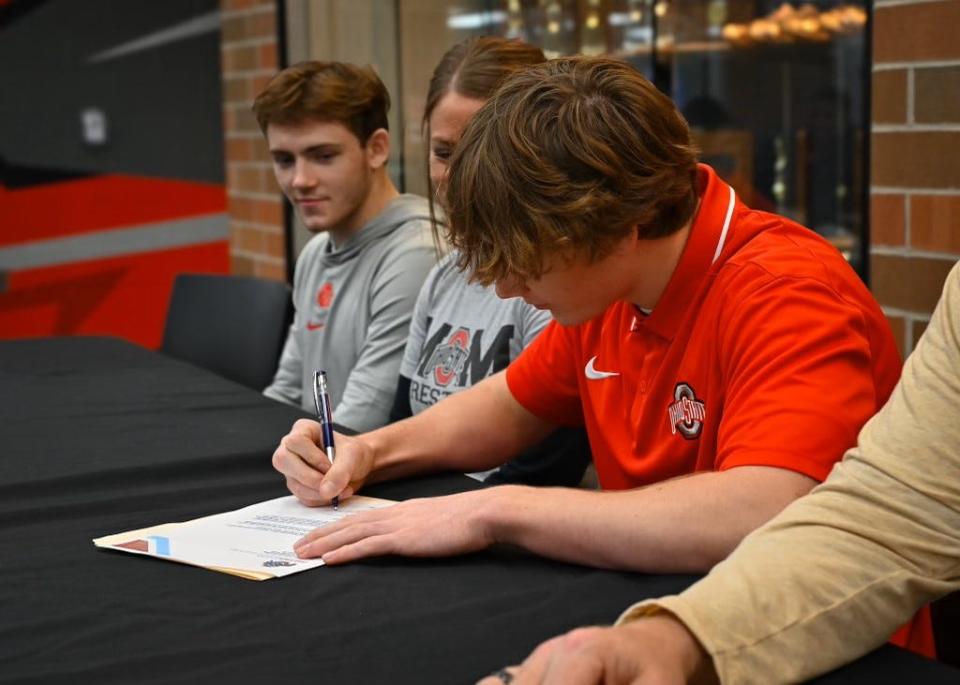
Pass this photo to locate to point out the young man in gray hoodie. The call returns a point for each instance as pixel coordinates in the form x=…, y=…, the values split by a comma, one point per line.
x=357, y=280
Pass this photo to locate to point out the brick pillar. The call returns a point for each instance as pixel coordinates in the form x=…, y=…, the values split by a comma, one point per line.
x=915, y=179
x=248, y=60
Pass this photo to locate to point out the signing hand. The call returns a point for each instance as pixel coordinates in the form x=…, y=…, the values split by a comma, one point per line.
x=432, y=527
x=650, y=651
x=310, y=477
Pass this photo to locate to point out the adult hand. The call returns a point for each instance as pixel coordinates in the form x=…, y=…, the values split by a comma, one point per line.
x=310, y=477
x=649, y=651
x=431, y=527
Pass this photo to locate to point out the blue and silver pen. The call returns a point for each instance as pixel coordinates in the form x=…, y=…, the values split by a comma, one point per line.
x=324, y=412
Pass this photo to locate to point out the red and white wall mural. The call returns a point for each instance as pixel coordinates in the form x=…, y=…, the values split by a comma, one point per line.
x=111, y=163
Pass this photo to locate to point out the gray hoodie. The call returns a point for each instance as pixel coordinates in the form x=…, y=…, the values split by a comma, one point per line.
x=353, y=306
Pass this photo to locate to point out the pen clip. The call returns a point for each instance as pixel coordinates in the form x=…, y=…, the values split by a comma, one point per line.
x=316, y=397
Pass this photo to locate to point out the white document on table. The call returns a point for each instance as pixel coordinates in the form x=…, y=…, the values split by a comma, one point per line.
x=255, y=542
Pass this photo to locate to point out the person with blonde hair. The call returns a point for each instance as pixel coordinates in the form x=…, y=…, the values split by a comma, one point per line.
x=461, y=331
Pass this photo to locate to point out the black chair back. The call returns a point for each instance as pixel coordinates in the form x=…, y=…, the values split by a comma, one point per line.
x=232, y=325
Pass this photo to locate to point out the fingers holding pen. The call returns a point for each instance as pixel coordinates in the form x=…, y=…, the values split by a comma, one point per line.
x=302, y=462
x=306, y=494
x=336, y=481
x=349, y=471
x=300, y=451
x=311, y=478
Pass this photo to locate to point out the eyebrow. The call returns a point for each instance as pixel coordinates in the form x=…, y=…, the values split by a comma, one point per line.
x=313, y=149
x=324, y=147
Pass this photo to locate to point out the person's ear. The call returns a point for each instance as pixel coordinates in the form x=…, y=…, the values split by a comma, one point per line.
x=378, y=148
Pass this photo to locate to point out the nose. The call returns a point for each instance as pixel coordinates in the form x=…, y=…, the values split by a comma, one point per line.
x=509, y=286
x=302, y=177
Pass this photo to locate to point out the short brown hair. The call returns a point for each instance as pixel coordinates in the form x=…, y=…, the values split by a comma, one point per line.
x=325, y=91
x=568, y=156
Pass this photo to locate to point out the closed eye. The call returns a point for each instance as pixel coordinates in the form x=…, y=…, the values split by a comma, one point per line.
x=282, y=159
x=442, y=153
x=323, y=157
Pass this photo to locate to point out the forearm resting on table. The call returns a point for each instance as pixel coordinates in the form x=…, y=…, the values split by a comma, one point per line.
x=473, y=430
x=837, y=572
x=683, y=525
x=827, y=581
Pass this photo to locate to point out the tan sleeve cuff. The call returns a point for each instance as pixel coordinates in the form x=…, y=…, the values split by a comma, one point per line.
x=683, y=611
x=648, y=607
x=671, y=604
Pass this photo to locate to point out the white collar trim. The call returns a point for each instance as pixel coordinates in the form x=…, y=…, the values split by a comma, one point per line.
x=726, y=225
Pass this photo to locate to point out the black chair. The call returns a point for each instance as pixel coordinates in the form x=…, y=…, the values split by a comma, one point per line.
x=232, y=325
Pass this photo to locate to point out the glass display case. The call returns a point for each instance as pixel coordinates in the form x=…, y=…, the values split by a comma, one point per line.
x=776, y=94
x=777, y=98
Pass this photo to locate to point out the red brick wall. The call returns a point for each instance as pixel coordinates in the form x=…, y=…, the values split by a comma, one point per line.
x=249, y=55
x=915, y=176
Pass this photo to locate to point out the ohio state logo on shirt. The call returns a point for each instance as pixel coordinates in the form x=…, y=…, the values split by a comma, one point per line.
x=323, y=300
x=687, y=413
x=325, y=295
x=449, y=357
x=456, y=356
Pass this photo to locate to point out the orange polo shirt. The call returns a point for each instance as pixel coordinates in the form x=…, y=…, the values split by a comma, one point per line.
x=765, y=349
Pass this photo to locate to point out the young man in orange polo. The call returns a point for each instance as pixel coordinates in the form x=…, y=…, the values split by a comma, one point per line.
x=722, y=359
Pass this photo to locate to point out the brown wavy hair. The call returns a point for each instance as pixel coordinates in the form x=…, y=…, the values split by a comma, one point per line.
x=325, y=91
x=473, y=68
x=567, y=157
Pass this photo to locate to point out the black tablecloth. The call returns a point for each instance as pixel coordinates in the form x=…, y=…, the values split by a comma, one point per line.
x=98, y=436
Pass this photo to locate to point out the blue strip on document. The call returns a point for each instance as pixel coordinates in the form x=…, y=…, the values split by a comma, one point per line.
x=161, y=545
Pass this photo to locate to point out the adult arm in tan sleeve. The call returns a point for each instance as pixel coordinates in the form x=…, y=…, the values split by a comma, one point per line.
x=834, y=574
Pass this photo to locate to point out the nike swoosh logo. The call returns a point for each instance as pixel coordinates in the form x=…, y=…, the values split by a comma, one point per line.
x=314, y=326
x=595, y=375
